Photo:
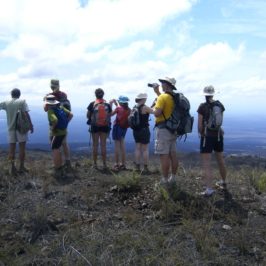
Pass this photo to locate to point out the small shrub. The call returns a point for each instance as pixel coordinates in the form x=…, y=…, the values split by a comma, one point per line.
x=261, y=183
x=128, y=182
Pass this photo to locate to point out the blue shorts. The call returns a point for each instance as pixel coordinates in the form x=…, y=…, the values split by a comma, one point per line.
x=118, y=132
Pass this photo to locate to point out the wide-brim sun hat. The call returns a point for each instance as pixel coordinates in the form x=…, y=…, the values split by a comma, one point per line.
x=51, y=100
x=141, y=96
x=209, y=91
x=123, y=99
x=170, y=81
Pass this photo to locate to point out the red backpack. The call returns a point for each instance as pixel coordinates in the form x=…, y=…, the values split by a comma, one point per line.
x=122, y=116
x=101, y=114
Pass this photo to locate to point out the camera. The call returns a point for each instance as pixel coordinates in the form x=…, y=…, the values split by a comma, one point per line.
x=152, y=85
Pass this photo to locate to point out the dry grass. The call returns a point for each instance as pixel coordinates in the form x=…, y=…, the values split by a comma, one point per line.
x=125, y=218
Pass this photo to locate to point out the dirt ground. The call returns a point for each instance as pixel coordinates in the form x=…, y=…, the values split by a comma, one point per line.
x=97, y=217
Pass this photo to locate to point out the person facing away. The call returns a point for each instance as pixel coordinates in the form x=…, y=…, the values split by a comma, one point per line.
x=142, y=133
x=120, y=127
x=99, y=119
x=210, y=118
x=61, y=97
x=58, y=118
x=14, y=136
x=165, y=141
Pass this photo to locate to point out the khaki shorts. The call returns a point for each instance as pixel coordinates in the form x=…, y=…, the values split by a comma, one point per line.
x=14, y=136
x=165, y=141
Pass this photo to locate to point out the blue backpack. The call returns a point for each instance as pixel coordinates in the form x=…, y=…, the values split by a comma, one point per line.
x=62, y=118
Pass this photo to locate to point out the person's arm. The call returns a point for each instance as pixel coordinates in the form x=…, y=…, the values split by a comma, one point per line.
x=31, y=125
x=113, y=101
x=157, y=112
x=200, y=125
x=156, y=89
x=147, y=110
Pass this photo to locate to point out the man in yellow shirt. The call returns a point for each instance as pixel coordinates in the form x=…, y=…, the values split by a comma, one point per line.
x=165, y=141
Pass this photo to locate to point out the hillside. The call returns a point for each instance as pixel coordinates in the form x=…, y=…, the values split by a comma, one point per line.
x=105, y=218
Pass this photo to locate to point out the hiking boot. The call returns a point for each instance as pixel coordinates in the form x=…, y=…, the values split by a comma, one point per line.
x=68, y=166
x=23, y=170
x=208, y=192
x=221, y=185
x=58, y=173
x=137, y=167
x=13, y=170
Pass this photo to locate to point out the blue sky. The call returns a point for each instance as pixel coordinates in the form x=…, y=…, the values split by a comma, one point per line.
x=121, y=45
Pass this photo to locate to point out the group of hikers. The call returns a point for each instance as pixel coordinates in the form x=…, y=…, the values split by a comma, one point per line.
x=172, y=120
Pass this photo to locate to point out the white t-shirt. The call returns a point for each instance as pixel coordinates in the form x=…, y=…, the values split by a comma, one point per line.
x=11, y=107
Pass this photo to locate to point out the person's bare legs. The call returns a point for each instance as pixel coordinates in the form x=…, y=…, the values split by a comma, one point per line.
x=137, y=153
x=174, y=162
x=103, y=137
x=165, y=165
x=66, y=150
x=123, y=151
x=145, y=153
x=11, y=157
x=95, y=143
x=22, y=155
x=221, y=165
x=117, y=151
x=57, y=158
x=207, y=173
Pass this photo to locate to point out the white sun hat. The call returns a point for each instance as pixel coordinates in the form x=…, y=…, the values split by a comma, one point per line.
x=170, y=81
x=209, y=91
x=141, y=96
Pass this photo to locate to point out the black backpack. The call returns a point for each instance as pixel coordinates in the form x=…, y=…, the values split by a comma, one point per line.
x=180, y=122
x=134, y=117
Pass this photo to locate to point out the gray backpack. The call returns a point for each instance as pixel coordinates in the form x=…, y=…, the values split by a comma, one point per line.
x=23, y=124
x=215, y=119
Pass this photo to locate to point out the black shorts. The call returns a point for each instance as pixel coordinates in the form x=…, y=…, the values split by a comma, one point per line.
x=95, y=129
x=56, y=141
x=212, y=143
x=142, y=135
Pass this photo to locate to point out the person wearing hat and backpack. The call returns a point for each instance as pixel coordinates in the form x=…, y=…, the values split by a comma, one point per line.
x=165, y=140
x=99, y=119
x=141, y=131
x=61, y=97
x=12, y=107
x=210, y=118
x=58, y=118
x=119, y=131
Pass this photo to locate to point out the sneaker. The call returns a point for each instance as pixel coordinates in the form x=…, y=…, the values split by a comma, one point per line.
x=220, y=185
x=137, y=167
x=172, y=179
x=208, y=192
x=115, y=168
x=163, y=181
x=122, y=167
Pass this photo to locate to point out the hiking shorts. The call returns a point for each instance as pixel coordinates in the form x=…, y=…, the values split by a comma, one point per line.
x=118, y=132
x=212, y=143
x=95, y=129
x=14, y=136
x=165, y=141
x=56, y=141
x=142, y=135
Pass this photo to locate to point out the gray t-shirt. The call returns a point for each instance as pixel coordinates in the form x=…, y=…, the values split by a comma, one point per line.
x=12, y=106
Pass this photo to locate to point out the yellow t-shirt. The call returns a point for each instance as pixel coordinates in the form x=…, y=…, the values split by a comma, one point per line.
x=165, y=102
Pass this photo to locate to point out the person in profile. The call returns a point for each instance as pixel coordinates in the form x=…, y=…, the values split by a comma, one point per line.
x=165, y=140
x=210, y=119
x=99, y=119
x=119, y=131
x=15, y=135
x=141, y=132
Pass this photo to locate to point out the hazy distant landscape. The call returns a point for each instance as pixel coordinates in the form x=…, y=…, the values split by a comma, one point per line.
x=242, y=135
